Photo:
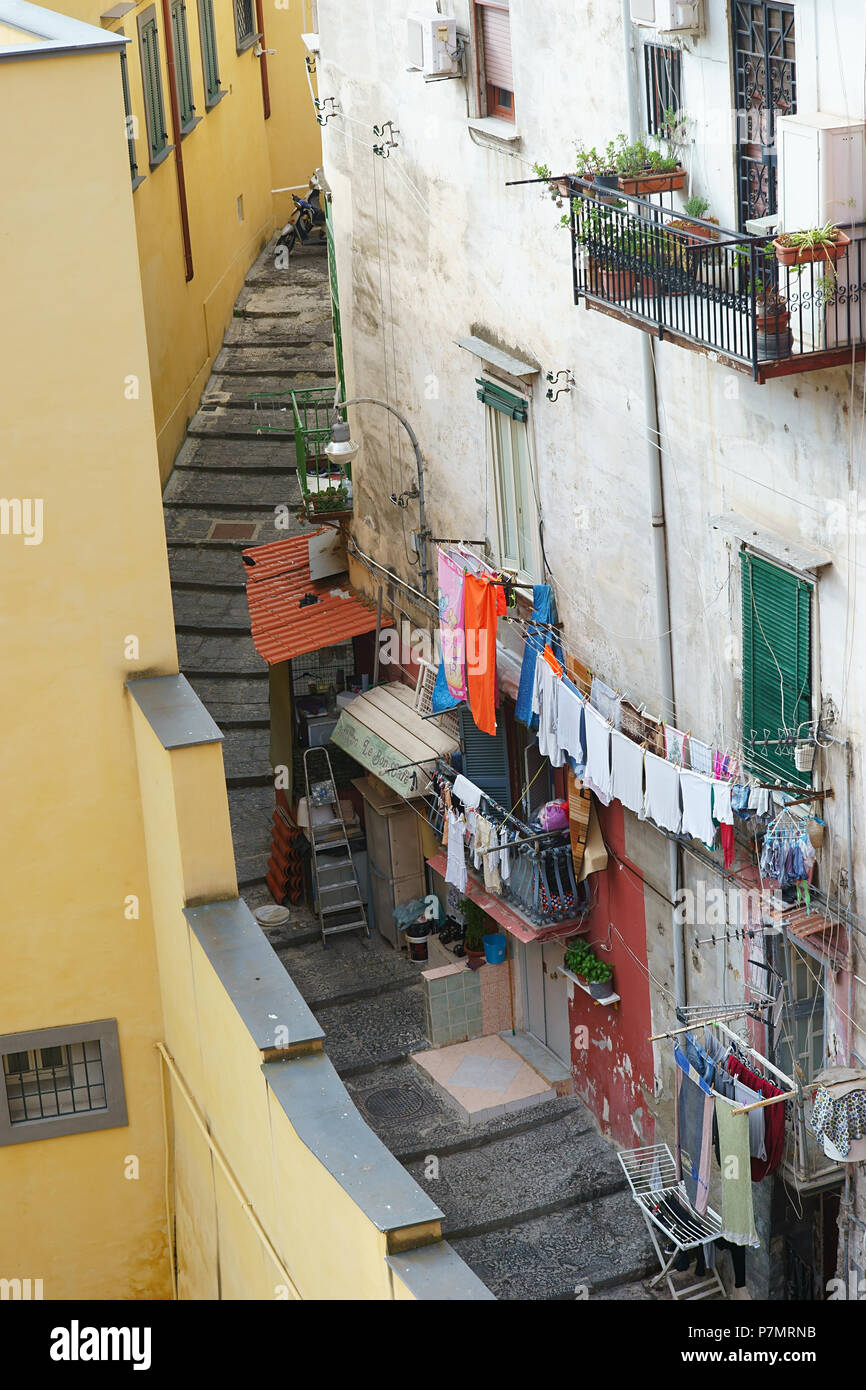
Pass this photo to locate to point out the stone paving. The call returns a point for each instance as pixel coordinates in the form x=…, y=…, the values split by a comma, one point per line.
x=534, y=1200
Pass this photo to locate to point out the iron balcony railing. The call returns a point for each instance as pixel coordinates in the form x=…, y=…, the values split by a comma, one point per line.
x=715, y=289
x=541, y=884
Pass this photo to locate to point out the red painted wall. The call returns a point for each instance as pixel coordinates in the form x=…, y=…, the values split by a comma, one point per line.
x=611, y=1070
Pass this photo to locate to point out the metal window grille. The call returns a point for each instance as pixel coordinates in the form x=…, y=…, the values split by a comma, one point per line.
x=207, y=30
x=244, y=20
x=180, y=35
x=152, y=83
x=127, y=110
x=663, y=70
x=50, y=1081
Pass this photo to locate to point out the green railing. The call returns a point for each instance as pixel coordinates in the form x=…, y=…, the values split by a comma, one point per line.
x=326, y=486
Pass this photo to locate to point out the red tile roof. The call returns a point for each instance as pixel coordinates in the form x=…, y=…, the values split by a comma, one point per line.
x=278, y=577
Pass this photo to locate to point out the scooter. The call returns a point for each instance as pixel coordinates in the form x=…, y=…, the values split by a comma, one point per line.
x=307, y=222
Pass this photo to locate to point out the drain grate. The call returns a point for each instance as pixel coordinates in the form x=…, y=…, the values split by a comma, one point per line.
x=398, y=1103
x=233, y=531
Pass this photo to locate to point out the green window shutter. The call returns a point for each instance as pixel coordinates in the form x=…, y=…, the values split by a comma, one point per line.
x=207, y=31
x=127, y=109
x=152, y=84
x=777, y=663
x=485, y=758
x=180, y=36
x=500, y=399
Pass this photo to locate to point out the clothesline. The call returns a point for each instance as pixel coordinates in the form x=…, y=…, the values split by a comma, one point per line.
x=790, y=1094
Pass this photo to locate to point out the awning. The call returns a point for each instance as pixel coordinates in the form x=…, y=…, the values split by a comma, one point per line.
x=383, y=732
x=278, y=579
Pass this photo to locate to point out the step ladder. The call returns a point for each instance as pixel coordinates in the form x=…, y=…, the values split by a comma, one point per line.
x=335, y=880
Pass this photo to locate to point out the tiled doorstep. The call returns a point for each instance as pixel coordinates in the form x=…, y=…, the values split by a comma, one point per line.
x=476, y=1103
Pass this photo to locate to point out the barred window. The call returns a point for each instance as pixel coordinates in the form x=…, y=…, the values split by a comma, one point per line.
x=245, y=22
x=58, y=1081
x=663, y=69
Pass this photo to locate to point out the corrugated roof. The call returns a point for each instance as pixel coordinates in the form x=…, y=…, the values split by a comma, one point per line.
x=278, y=577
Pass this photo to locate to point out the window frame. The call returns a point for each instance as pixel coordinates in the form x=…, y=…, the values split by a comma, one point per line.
x=113, y=1116
x=207, y=28
x=156, y=156
x=509, y=506
x=657, y=57
x=487, y=93
x=182, y=65
x=242, y=44
x=753, y=637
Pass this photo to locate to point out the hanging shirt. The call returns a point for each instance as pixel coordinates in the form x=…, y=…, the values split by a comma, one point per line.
x=451, y=620
x=700, y=756
x=544, y=704
x=606, y=701
x=480, y=628
x=744, y=1095
x=597, y=776
x=697, y=797
x=722, y=807
x=486, y=839
x=662, y=796
x=570, y=724
x=542, y=614
x=774, y=1117
x=467, y=791
x=626, y=768
x=455, y=872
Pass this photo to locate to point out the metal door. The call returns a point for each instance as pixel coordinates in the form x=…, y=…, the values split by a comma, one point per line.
x=765, y=78
x=547, y=997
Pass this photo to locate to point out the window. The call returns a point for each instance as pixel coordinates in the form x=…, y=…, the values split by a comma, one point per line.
x=493, y=59
x=129, y=118
x=777, y=665
x=180, y=39
x=210, y=65
x=58, y=1081
x=245, y=26
x=663, y=70
x=485, y=758
x=151, y=80
x=511, y=464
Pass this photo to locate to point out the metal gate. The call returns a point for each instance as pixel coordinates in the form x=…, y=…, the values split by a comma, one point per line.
x=335, y=299
x=766, y=85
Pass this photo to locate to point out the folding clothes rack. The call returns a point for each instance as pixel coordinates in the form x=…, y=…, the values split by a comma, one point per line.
x=664, y=1205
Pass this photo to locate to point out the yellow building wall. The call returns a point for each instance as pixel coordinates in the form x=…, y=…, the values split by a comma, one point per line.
x=78, y=435
x=232, y=153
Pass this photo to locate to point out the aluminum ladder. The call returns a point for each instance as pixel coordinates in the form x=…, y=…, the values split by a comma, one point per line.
x=333, y=866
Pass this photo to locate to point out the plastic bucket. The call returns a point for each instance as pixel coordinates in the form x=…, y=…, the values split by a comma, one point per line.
x=494, y=948
x=417, y=948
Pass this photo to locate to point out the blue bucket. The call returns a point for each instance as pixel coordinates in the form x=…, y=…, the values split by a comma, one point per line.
x=494, y=948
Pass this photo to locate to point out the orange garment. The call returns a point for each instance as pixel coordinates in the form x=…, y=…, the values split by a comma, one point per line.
x=479, y=621
x=552, y=661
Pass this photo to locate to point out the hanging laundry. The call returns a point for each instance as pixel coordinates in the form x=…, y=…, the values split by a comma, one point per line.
x=759, y=800
x=727, y=834
x=451, y=625
x=738, y=1212
x=740, y=800
x=722, y=808
x=744, y=1095
x=626, y=766
x=486, y=839
x=467, y=791
x=774, y=1117
x=839, y=1114
x=662, y=796
x=504, y=855
x=675, y=746
x=631, y=720
x=571, y=724
x=700, y=756
x=455, y=871
x=545, y=695
x=480, y=627
x=543, y=614
x=597, y=776
x=606, y=701
x=653, y=735
x=721, y=764
x=442, y=697
x=694, y=1129
x=697, y=797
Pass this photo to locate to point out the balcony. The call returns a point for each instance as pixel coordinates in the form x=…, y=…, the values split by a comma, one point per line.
x=718, y=292
x=326, y=486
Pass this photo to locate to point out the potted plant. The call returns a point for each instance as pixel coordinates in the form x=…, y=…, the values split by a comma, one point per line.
x=697, y=206
x=577, y=956
x=609, y=240
x=599, y=975
x=557, y=188
x=644, y=170
x=596, y=167
x=478, y=924
x=825, y=243
x=772, y=315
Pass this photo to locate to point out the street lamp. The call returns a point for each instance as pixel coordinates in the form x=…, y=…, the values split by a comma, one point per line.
x=342, y=449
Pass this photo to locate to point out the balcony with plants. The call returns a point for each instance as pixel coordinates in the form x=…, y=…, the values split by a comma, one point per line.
x=324, y=482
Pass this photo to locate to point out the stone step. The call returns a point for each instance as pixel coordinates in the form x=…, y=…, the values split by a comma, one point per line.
x=250, y=810
x=275, y=301
x=313, y=328
x=520, y=1177
x=222, y=422
x=599, y=1245
x=210, y=610
x=234, y=698
x=236, y=390
x=252, y=359
x=183, y=526
x=372, y=1031
x=206, y=654
x=253, y=492
x=262, y=454
x=301, y=273
x=246, y=758
x=206, y=565
x=325, y=983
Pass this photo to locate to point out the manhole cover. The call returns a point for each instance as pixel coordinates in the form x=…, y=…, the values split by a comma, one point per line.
x=396, y=1102
x=233, y=531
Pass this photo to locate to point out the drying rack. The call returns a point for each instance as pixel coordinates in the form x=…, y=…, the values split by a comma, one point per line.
x=664, y=1204
x=794, y=1091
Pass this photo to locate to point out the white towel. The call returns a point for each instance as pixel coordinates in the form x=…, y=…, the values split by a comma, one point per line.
x=662, y=796
x=626, y=764
x=722, y=811
x=598, y=733
x=467, y=791
x=544, y=702
x=697, y=796
x=569, y=715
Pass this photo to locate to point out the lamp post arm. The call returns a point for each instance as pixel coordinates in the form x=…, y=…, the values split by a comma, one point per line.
x=373, y=400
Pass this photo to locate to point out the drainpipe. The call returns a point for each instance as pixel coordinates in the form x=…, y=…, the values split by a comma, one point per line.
x=263, y=59
x=178, y=139
x=657, y=522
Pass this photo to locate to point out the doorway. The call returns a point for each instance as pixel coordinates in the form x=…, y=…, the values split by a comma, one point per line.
x=765, y=75
x=546, y=997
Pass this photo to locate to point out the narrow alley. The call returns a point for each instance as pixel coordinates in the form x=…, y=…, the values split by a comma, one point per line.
x=536, y=1202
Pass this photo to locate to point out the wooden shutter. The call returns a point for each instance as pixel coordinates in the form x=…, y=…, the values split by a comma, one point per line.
x=152, y=82
x=208, y=49
x=485, y=759
x=777, y=679
x=496, y=45
x=500, y=399
x=181, y=61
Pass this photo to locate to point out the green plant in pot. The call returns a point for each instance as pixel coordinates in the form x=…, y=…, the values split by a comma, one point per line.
x=577, y=957
x=478, y=925
x=599, y=976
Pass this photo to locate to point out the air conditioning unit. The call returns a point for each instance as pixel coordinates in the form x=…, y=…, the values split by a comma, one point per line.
x=669, y=16
x=433, y=45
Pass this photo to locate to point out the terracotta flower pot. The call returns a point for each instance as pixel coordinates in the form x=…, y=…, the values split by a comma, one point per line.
x=801, y=255
x=774, y=323
x=652, y=183
x=618, y=284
